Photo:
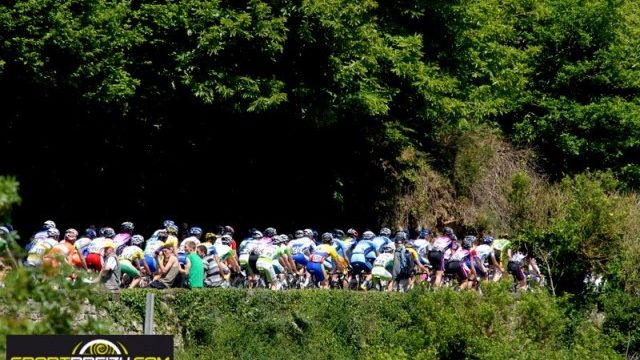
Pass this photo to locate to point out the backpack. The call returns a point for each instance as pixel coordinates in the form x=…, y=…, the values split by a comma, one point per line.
x=403, y=263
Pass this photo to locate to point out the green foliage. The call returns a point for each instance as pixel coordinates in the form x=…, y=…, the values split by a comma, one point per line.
x=34, y=302
x=8, y=196
x=585, y=224
x=622, y=320
x=242, y=324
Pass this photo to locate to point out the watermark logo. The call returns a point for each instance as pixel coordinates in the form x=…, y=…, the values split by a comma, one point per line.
x=100, y=347
x=85, y=347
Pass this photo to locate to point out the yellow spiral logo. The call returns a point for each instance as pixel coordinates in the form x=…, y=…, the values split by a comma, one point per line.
x=99, y=347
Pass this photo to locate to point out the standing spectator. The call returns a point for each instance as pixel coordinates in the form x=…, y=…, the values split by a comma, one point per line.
x=193, y=268
x=110, y=274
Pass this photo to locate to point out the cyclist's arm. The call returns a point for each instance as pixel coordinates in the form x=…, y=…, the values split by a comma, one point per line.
x=495, y=262
x=187, y=266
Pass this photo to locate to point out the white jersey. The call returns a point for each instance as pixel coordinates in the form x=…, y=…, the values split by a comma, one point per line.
x=152, y=246
x=484, y=251
x=96, y=245
x=181, y=248
x=301, y=245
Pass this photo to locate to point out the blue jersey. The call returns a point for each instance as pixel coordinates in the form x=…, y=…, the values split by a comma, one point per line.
x=342, y=247
x=366, y=247
x=380, y=241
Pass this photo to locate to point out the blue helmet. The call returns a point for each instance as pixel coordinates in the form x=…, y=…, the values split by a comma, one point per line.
x=487, y=239
x=195, y=231
x=90, y=233
x=168, y=223
x=424, y=233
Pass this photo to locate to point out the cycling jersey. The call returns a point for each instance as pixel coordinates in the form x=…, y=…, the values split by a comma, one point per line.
x=152, y=247
x=38, y=251
x=301, y=249
x=379, y=242
x=121, y=239
x=442, y=243
x=322, y=260
x=96, y=245
x=342, y=247
x=383, y=267
x=222, y=251
x=82, y=245
x=132, y=253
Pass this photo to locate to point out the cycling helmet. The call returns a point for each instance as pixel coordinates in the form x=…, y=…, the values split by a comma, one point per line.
x=401, y=237
x=4, y=230
x=368, y=235
x=53, y=233
x=353, y=233
x=298, y=234
x=338, y=234
x=226, y=239
x=172, y=229
x=49, y=224
x=229, y=230
x=388, y=248
x=90, y=233
x=195, y=231
x=308, y=233
x=257, y=235
x=162, y=235
x=385, y=232
x=71, y=231
x=137, y=240
x=270, y=232
x=327, y=238
x=168, y=223
x=209, y=236
x=468, y=241
x=107, y=232
x=448, y=231
x=487, y=239
x=315, y=234
x=424, y=233
x=127, y=226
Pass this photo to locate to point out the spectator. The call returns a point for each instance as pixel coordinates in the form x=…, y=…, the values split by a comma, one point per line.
x=214, y=270
x=110, y=274
x=168, y=269
x=193, y=268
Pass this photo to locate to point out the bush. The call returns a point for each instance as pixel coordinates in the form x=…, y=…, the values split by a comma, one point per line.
x=239, y=324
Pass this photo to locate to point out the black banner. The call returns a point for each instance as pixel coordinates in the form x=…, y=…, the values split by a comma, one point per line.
x=89, y=347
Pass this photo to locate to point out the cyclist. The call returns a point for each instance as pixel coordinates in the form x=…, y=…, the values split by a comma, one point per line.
x=269, y=234
x=502, y=251
x=37, y=252
x=382, y=268
x=226, y=254
x=153, y=248
x=132, y=261
x=64, y=250
x=485, y=252
x=441, y=245
x=363, y=256
x=382, y=239
x=323, y=259
x=516, y=264
x=82, y=245
x=457, y=264
x=301, y=249
x=422, y=245
x=123, y=238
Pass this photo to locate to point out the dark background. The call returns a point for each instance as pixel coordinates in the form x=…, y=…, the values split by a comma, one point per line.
x=191, y=164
